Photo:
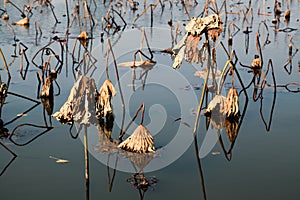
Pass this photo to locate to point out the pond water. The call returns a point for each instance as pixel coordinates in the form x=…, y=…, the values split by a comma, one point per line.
x=258, y=162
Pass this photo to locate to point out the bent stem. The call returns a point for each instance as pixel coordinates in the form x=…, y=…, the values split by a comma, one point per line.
x=268, y=126
x=117, y=73
x=222, y=74
x=118, y=80
x=10, y=151
x=142, y=107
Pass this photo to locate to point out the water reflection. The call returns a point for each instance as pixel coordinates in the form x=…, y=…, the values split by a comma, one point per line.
x=142, y=183
x=108, y=146
x=65, y=46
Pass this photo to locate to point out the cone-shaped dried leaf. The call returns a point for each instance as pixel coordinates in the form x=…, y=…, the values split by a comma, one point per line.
x=217, y=105
x=22, y=22
x=80, y=105
x=217, y=111
x=103, y=98
x=141, y=141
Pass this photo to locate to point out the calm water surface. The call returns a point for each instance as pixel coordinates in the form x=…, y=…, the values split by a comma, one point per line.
x=264, y=163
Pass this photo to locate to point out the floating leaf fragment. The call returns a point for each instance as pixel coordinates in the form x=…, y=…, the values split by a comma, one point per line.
x=59, y=160
x=21, y=115
x=148, y=64
x=22, y=22
x=182, y=122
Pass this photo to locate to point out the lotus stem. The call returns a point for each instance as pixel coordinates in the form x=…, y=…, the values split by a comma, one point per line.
x=132, y=119
x=6, y=67
x=204, y=86
x=221, y=76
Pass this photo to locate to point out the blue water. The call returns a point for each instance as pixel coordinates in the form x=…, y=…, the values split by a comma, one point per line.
x=263, y=165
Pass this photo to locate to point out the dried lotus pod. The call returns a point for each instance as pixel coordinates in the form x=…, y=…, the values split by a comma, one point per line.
x=232, y=106
x=256, y=63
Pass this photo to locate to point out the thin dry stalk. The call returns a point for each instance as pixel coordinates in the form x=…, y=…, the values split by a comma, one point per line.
x=117, y=72
x=185, y=10
x=141, y=140
x=152, y=6
x=14, y=5
x=208, y=66
x=259, y=50
x=6, y=67
x=132, y=120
